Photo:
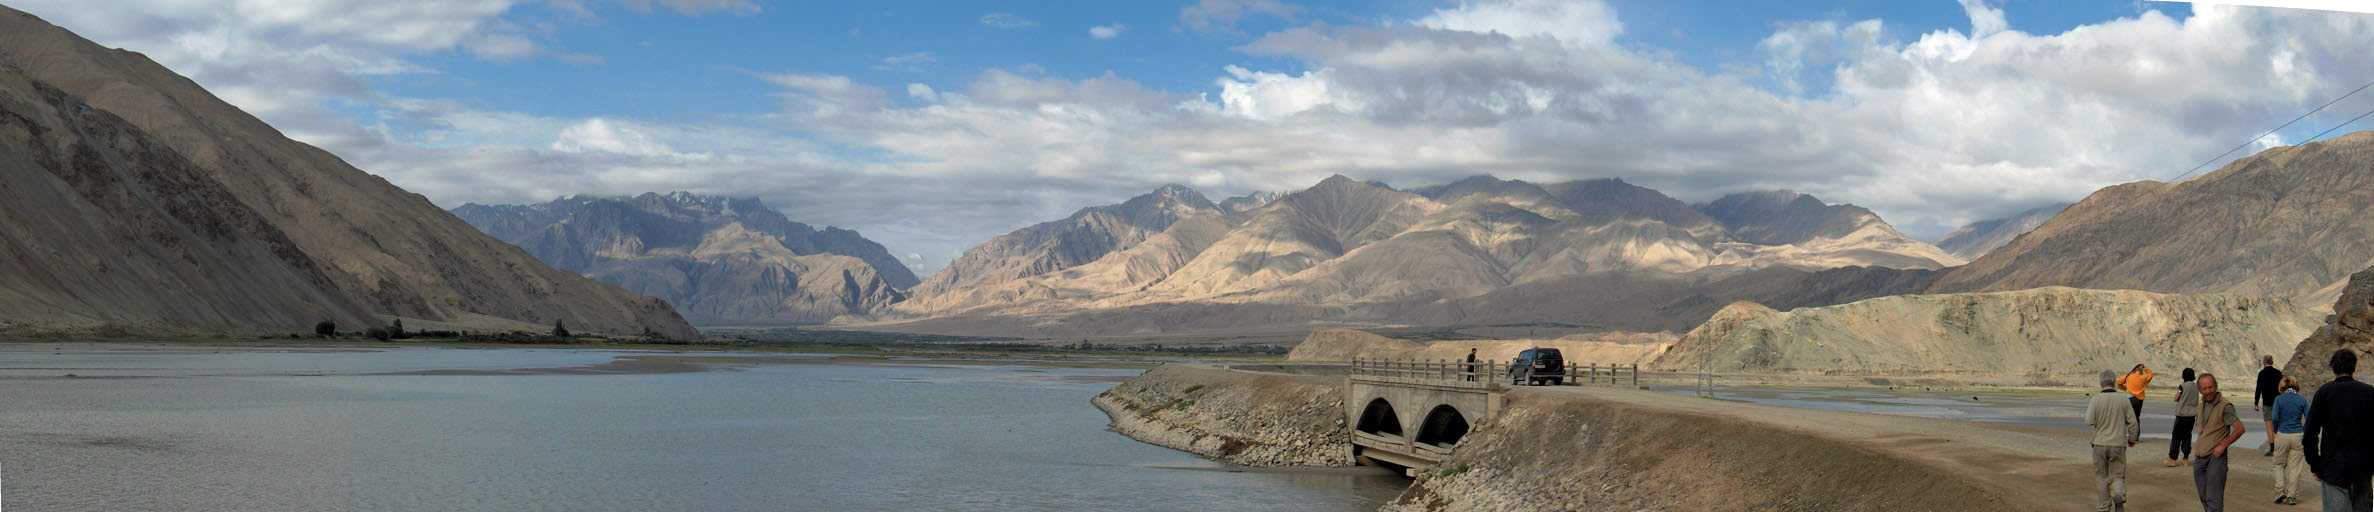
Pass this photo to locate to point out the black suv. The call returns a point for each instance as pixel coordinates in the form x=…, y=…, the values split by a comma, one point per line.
x=1536, y=366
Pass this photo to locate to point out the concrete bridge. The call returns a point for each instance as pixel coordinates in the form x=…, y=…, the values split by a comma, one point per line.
x=1409, y=414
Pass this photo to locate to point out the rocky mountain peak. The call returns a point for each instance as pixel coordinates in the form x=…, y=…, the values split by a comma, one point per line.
x=1775, y=217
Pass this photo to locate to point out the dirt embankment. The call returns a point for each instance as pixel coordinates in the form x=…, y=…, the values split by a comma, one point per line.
x=1614, y=449
x=2044, y=336
x=1249, y=418
x=1339, y=345
x=1575, y=451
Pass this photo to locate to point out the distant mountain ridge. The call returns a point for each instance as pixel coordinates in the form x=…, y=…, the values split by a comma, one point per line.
x=1977, y=238
x=1359, y=248
x=720, y=260
x=137, y=202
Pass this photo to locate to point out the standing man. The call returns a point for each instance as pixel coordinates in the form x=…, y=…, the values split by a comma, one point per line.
x=2334, y=437
x=1471, y=365
x=2220, y=428
x=2262, y=398
x=2188, y=406
x=2289, y=462
x=2135, y=382
x=2115, y=430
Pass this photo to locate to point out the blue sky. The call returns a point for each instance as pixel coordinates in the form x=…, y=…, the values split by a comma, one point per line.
x=680, y=67
x=931, y=126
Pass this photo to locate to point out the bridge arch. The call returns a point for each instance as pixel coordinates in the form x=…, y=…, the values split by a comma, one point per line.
x=1380, y=418
x=1444, y=426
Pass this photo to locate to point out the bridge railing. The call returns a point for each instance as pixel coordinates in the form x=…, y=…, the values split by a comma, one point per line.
x=1480, y=374
x=1484, y=373
x=1594, y=373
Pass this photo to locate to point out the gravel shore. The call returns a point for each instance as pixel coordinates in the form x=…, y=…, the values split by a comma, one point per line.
x=1240, y=417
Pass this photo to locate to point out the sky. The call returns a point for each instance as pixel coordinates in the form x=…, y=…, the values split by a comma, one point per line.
x=931, y=126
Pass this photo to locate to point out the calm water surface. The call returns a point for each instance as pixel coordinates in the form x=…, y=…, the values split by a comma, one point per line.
x=180, y=428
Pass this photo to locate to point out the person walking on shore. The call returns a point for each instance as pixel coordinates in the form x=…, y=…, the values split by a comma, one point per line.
x=2115, y=430
x=2289, y=461
x=2135, y=382
x=2262, y=398
x=2333, y=437
x=2220, y=427
x=2180, y=435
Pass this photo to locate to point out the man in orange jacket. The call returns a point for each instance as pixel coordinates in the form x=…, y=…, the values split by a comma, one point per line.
x=2135, y=382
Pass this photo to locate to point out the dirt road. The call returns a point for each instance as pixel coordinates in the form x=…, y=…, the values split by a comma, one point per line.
x=2043, y=466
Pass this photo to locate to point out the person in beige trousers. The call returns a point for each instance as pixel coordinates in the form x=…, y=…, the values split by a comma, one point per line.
x=2115, y=430
x=2286, y=418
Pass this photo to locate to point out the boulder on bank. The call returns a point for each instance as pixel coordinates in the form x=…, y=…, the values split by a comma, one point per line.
x=2351, y=326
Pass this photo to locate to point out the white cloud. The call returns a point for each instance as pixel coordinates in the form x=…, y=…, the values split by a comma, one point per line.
x=1223, y=15
x=1933, y=131
x=1006, y=20
x=1570, y=22
x=1929, y=129
x=696, y=7
x=1107, y=31
x=603, y=135
x=1985, y=20
x=913, y=61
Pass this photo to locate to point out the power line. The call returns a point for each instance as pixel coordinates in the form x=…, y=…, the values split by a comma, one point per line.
x=2263, y=136
x=2337, y=127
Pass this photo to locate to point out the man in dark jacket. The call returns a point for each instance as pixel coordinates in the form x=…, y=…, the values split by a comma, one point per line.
x=2335, y=438
x=2262, y=398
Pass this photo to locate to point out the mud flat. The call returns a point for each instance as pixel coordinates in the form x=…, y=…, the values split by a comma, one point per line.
x=1241, y=417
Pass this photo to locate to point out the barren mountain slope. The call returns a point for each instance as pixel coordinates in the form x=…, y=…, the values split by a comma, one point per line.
x=1295, y=233
x=1118, y=274
x=385, y=249
x=1603, y=201
x=721, y=261
x=2061, y=333
x=1974, y=240
x=2287, y=222
x=1788, y=228
x=1774, y=217
x=107, y=227
x=1081, y=238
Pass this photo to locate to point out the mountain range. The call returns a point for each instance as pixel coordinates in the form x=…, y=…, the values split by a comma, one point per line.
x=719, y=260
x=1355, y=251
x=138, y=202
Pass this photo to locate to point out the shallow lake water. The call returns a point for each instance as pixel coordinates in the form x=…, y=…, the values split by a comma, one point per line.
x=198, y=428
